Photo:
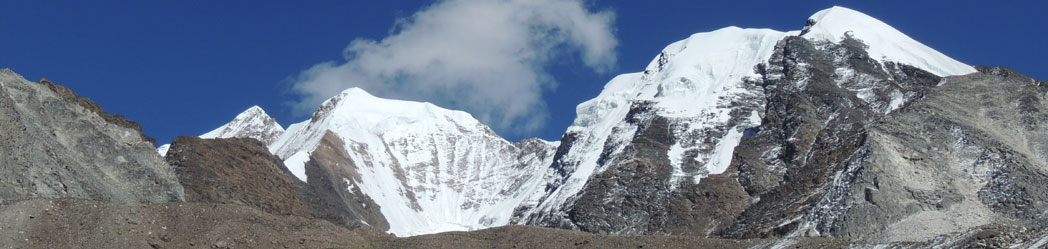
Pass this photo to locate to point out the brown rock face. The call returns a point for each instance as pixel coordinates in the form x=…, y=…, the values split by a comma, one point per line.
x=234, y=171
x=329, y=196
x=77, y=223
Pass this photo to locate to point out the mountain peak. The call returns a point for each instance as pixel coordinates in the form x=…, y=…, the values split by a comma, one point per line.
x=428, y=169
x=254, y=109
x=251, y=123
x=358, y=106
x=356, y=91
x=885, y=42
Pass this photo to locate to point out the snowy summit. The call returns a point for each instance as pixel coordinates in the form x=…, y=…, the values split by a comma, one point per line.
x=704, y=86
x=252, y=123
x=428, y=169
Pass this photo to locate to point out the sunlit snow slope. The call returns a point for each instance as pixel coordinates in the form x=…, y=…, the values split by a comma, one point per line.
x=695, y=82
x=429, y=169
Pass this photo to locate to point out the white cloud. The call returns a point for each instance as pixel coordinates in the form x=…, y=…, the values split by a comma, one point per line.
x=487, y=57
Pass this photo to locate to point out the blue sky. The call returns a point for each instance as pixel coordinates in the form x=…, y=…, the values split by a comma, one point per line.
x=186, y=67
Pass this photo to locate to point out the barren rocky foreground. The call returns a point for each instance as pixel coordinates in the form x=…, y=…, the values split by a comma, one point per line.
x=77, y=223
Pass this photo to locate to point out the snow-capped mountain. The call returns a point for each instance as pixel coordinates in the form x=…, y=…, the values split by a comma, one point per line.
x=251, y=123
x=683, y=116
x=428, y=169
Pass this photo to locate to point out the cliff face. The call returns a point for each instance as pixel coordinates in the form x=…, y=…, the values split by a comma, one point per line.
x=821, y=99
x=971, y=152
x=56, y=144
x=957, y=153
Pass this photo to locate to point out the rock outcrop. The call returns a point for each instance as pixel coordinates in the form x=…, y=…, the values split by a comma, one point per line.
x=234, y=171
x=971, y=152
x=56, y=144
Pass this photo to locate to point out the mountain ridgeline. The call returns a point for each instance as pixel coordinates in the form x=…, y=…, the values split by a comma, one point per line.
x=845, y=132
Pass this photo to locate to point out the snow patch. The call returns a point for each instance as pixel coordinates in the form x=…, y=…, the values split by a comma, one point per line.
x=349, y=185
x=162, y=150
x=296, y=163
x=897, y=100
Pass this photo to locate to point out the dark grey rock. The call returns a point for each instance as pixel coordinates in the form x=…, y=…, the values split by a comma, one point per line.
x=51, y=145
x=821, y=99
x=961, y=157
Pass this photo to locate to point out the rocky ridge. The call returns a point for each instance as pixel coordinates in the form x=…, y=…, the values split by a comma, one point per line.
x=234, y=171
x=54, y=144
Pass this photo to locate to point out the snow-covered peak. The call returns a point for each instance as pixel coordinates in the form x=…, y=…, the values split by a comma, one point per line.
x=706, y=89
x=356, y=106
x=429, y=169
x=251, y=123
x=357, y=116
x=885, y=43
